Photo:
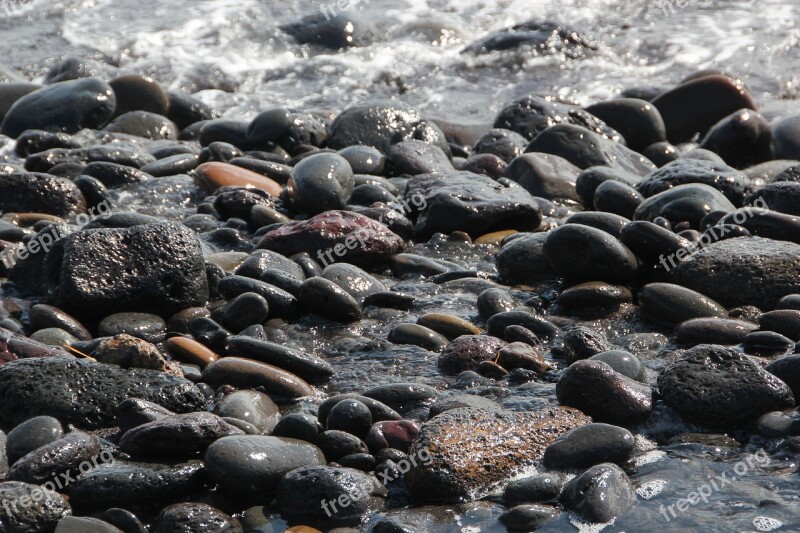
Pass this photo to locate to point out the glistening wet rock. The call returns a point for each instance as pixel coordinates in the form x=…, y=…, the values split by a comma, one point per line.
x=600, y=494
x=336, y=236
x=719, y=387
x=177, y=435
x=154, y=267
x=85, y=393
x=471, y=203
x=588, y=445
x=604, y=394
x=40, y=193
x=582, y=253
x=191, y=517
x=729, y=181
x=69, y=106
x=743, y=271
x=471, y=449
x=44, y=516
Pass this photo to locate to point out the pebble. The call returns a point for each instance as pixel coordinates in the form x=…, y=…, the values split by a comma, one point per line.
x=244, y=310
x=448, y=325
x=40, y=193
x=30, y=435
x=531, y=115
x=50, y=461
x=623, y=362
x=527, y=517
x=134, y=93
x=598, y=390
x=246, y=373
x=365, y=160
x=468, y=351
x=585, y=149
x=472, y=203
x=144, y=124
x=145, y=326
x=69, y=107
x=134, y=412
x=53, y=337
x=280, y=303
x=413, y=157
x=299, y=362
x=353, y=280
x=594, y=295
x=186, y=517
x=742, y=139
x=213, y=175
x=321, y=182
x=581, y=342
x=252, y=407
x=503, y=143
x=337, y=444
x=719, y=387
x=332, y=30
x=334, y=234
x=542, y=488
x=608, y=222
x=727, y=180
x=378, y=409
x=638, y=121
x=618, y=198
x=351, y=416
x=402, y=396
x=651, y=243
x=690, y=202
x=176, y=435
x=190, y=351
x=129, y=352
x=544, y=175
x=783, y=321
x=155, y=266
x=327, y=299
x=589, y=445
x=80, y=524
x=417, y=335
x=695, y=106
x=300, y=492
x=521, y=355
x=522, y=260
x=672, y=304
x=600, y=494
x=787, y=369
x=581, y=253
x=538, y=325
x=300, y=426
x=390, y=299
x=778, y=424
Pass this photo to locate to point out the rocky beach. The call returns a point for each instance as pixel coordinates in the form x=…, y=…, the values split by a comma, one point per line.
x=389, y=267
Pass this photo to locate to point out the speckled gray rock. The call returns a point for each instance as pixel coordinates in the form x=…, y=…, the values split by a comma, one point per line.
x=469, y=450
x=194, y=518
x=153, y=267
x=743, y=271
x=31, y=518
x=85, y=393
x=720, y=387
x=56, y=458
x=24, y=192
x=176, y=435
x=251, y=406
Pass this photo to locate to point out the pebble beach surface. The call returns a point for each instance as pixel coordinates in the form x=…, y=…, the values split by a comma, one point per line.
x=327, y=297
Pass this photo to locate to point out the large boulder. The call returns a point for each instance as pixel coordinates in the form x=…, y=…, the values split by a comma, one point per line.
x=151, y=268
x=722, y=388
x=743, y=271
x=85, y=393
x=68, y=106
x=469, y=202
x=467, y=451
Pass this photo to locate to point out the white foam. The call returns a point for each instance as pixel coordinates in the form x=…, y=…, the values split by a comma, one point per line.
x=763, y=523
x=650, y=489
x=589, y=527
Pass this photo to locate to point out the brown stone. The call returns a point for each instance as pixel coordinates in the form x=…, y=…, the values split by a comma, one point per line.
x=521, y=355
x=464, y=453
x=248, y=374
x=190, y=351
x=450, y=326
x=213, y=175
x=129, y=352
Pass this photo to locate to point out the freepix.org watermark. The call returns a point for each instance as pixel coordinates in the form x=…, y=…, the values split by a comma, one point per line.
x=12, y=7
x=58, y=483
x=740, y=217
x=332, y=9
x=44, y=240
x=359, y=237
x=356, y=494
x=715, y=484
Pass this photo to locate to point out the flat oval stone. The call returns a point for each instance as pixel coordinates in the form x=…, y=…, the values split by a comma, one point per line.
x=448, y=325
x=689, y=202
x=594, y=294
x=56, y=458
x=145, y=326
x=673, y=304
x=623, y=362
x=652, y=243
x=353, y=280
x=417, y=335
x=497, y=325
x=379, y=410
x=190, y=351
x=250, y=406
x=43, y=316
x=32, y=434
x=783, y=321
x=713, y=331
x=176, y=435
x=303, y=364
x=213, y=175
x=246, y=373
x=255, y=464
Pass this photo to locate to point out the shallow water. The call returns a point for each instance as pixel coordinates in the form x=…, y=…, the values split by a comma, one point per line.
x=231, y=54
